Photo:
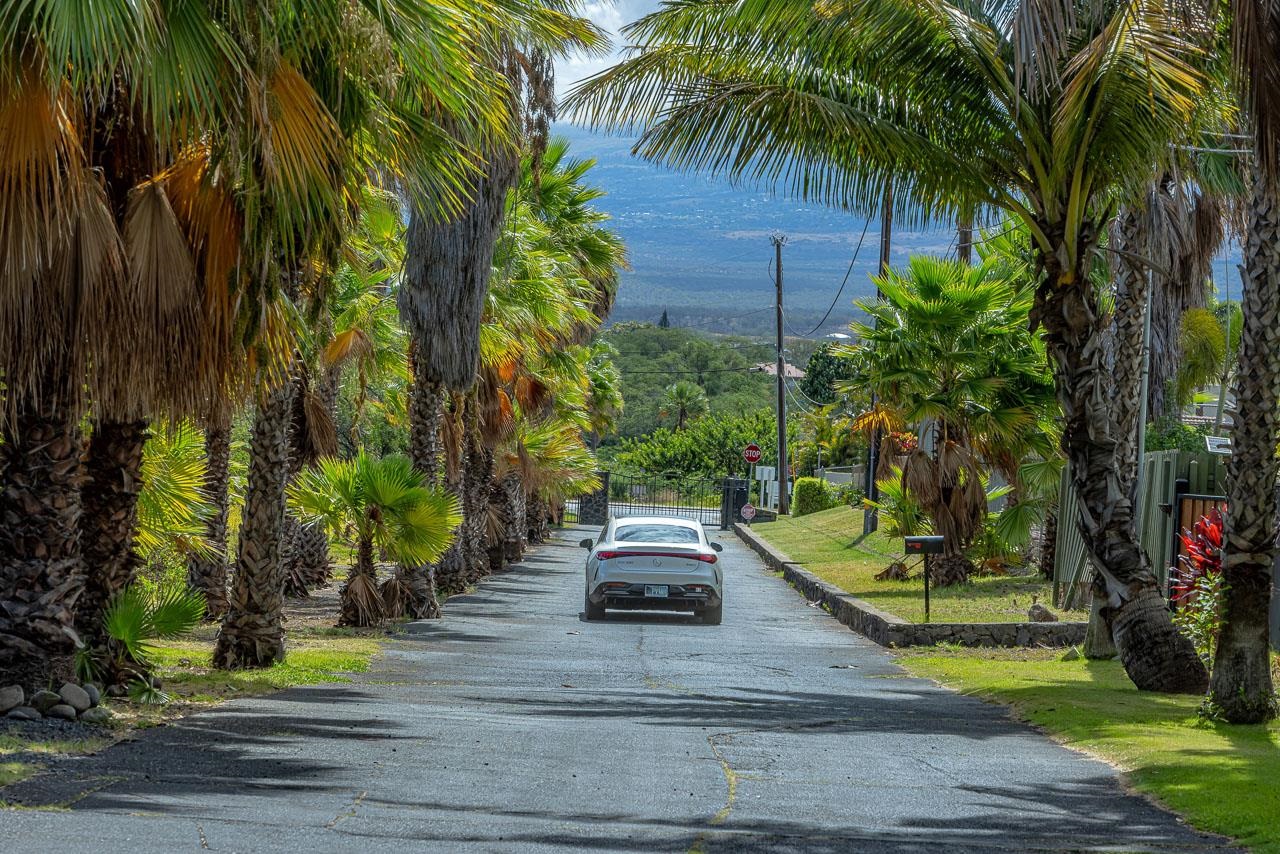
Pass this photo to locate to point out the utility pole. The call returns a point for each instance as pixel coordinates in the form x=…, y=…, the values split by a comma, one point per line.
x=784, y=502
x=870, y=521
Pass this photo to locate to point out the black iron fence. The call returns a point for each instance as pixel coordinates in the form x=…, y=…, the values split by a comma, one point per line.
x=709, y=500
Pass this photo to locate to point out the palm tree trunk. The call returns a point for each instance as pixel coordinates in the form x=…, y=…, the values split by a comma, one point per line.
x=1049, y=542
x=41, y=573
x=516, y=526
x=208, y=573
x=109, y=515
x=291, y=536
x=252, y=633
x=1154, y=654
x=496, y=532
x=536, y=519
x=311, y=561
x=964, y=238
x=312, y=556
x=361, y=599
x=1242, y=688
x=478, y=473
x=1132, y=288
x=426, y=404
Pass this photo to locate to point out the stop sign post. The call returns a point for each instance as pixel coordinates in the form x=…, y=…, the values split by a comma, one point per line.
x=751, y=453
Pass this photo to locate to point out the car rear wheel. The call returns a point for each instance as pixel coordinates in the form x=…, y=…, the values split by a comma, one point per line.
x=590, y=610
x=711, y=616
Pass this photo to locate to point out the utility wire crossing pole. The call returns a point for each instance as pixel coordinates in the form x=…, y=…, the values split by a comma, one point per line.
x=784, y=502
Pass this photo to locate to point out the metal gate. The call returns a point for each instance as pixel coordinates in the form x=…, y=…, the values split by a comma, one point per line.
x=709, y=500
x=699, y=498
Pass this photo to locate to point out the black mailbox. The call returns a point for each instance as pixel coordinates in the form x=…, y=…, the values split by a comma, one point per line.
x=924, y=545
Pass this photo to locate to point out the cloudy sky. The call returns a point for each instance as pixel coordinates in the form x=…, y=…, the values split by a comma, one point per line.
x=612, y=16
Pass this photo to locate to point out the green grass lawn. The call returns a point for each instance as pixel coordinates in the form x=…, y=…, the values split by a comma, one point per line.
x=1222, y=778
x=829, y=545
x=184, y=669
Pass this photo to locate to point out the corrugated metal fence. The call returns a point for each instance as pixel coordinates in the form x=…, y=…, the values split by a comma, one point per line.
x=1158, y=525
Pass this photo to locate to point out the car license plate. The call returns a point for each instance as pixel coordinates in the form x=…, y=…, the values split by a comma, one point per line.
x=655, y=591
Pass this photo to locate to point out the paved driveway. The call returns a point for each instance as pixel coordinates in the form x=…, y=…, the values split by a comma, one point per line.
x=514, y=726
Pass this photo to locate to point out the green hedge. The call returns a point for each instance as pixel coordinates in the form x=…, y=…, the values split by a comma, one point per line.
x=812, y=496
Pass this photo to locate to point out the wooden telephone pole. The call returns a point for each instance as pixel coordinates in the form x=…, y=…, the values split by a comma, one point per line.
x=784, y=502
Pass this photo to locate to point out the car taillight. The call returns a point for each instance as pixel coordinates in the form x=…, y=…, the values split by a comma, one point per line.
x=711, y=558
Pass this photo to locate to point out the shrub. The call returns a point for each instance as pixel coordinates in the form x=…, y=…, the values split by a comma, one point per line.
x=811, y=496
x=1197, y=583
x=850, y=494
x=1170, y=434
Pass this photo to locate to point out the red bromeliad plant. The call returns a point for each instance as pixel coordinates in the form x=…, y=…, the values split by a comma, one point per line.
x=1203, y=558
x=1196, y=585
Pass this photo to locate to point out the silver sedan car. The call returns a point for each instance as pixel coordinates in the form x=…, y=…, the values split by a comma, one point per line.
x=654, y=563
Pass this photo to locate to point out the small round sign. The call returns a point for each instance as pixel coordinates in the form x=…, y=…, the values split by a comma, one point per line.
x=748, y=512
x=751, y=453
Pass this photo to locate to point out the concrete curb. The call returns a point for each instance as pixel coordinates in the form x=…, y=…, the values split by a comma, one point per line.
x=893, y=631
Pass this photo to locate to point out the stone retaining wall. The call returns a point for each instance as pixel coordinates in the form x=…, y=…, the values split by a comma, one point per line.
x=889, y=630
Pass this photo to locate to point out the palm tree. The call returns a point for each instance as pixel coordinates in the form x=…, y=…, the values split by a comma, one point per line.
x=450, y=254
x=948, y=349
x=1039, y=109
x=172, y=508
x=1242, y=688
x=385, y=504
x=604, y=397
x=98, y=118
x=328, y=147
x=683, y=401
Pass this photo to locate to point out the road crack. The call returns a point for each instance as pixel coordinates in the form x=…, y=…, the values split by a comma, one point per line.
x=350, y=812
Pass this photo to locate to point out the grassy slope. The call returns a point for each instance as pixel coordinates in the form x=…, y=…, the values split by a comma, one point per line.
x=828, y=545
x=1224, y=779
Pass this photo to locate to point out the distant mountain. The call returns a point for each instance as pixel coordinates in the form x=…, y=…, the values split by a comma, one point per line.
x=700, y=248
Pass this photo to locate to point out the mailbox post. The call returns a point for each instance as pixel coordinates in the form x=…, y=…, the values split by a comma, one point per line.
x=924, y=546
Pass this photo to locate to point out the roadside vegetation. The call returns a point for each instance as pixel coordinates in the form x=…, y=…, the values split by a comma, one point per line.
x=829, y=546
x=362, y=312
x=1220, y=776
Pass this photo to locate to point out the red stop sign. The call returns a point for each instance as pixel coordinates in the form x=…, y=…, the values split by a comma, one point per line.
x=751, y=453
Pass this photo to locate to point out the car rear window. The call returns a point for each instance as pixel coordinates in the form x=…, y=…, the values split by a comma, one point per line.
x=655, y=534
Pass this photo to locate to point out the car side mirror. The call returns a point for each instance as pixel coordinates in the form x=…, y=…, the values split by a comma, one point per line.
x=717, y=547
x=587, y=543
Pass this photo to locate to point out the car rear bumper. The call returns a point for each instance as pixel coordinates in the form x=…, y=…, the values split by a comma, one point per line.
x=632, y=597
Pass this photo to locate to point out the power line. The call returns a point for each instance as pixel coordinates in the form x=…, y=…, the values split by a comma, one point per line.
x=844, y=282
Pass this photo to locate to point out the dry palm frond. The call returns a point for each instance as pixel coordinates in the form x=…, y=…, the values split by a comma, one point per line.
x=495, y=524
x=42, y=176
x=395, y=595
x=212, y=223
x=155, y=367
x=321, y=432
x=879, y=418
x=451, y=440
x=347, y=345
x=362, y=604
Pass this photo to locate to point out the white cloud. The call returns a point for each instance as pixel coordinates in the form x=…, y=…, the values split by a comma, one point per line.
x=612, y=15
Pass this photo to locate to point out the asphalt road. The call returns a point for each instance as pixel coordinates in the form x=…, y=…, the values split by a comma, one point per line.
x=515, y=726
